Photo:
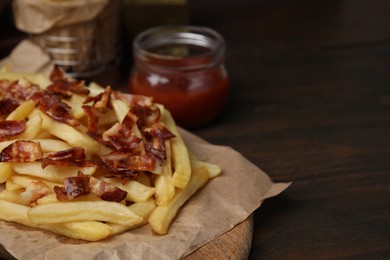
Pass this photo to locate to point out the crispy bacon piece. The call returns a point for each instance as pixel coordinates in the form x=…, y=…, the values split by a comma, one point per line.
x=10, y=128
x=121, y=137
x=64, y=86
x=54, y=107
x=84, y=184
x=74, y=156
x=12, y=94
x=101, y=101
x=146, y=115
x=19, y=90
x=21, y=151
x=7, y=105
x=117, y=161
x=34, y=191
x=73, y=187
x=156, y=136
x=106, y=191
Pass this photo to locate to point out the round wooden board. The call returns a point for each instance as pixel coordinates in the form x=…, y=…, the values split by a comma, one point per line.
x=234, y=244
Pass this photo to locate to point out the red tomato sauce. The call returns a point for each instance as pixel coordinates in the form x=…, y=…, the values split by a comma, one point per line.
x=193, y=98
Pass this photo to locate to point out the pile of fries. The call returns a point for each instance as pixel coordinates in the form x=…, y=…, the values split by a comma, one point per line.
x=92, y=164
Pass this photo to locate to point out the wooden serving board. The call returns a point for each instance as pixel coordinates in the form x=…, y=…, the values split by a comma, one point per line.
x=234, y=244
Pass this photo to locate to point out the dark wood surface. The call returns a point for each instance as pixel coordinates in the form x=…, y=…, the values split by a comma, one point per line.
x=309, y=103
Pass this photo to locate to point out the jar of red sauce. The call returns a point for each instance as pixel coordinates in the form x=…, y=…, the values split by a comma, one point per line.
x=182, y=67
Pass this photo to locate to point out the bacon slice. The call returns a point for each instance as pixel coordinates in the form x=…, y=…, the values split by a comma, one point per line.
x=121, y=137
x=64, y=86
x=84, y=184
x=21, y=151
x=106, y=191
x=73, y=187
x=10, y=128
x=19, y=90
x=155, y=140
x=54, y=107
x=101, y=101
x=74, y=156
x=146, y=115
x=7, y=105
x=117, y=161
x=12, y=94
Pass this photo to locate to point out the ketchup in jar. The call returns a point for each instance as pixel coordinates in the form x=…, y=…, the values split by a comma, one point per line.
x=182, y=67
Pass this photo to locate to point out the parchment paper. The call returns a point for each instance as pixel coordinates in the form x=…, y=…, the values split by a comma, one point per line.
x=223, y=203
x=34, y=16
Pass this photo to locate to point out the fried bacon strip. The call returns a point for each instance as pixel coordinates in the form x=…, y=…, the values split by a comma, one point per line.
x=54, y=107
x=7, y=105
x=74, y=156
x=19, y=90
x=101, y=101
x=106, y=191
x=21, y=151
x=10, y=128
x=12, y=94
x=84, y=184
x=73, y=187
x=144, y=115
x=155, y=136
x=117, y=161
x=64, y=86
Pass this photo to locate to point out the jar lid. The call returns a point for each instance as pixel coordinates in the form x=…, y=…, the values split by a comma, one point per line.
x=180, y=46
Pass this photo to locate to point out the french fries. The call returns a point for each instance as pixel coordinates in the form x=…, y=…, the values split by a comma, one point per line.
x=106, y=162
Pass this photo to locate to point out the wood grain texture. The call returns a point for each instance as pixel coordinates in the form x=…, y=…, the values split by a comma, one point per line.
x=234, y=244
x=309, y=103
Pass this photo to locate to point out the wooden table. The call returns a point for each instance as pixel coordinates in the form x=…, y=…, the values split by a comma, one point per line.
x=310, y=103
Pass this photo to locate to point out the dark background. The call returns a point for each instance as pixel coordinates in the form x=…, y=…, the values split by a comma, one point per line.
x=309, y=103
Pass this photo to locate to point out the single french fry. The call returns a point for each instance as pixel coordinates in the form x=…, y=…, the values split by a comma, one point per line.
x=14, y=212
x=52, y=198
x=120, y=108
x=83, y=211
x=25, y=181
x=165, y=190
x=52, y=172
x=136, y=191
x=11, y=196
x=22, y=111
x=5, y=171
x=180, y=157
x=95, y=89
x=142, y=209
x=47, y=145
x=49, y=198
x=11, y=186
x=85, y=230
x=76, y=110
x=162, y=216
x=213, y=169
x=108, y=118
x=33, y=127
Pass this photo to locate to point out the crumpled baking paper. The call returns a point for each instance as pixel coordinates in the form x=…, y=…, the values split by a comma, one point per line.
x=224, y=202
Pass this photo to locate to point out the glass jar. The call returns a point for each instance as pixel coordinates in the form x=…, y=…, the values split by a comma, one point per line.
x=182, y=67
